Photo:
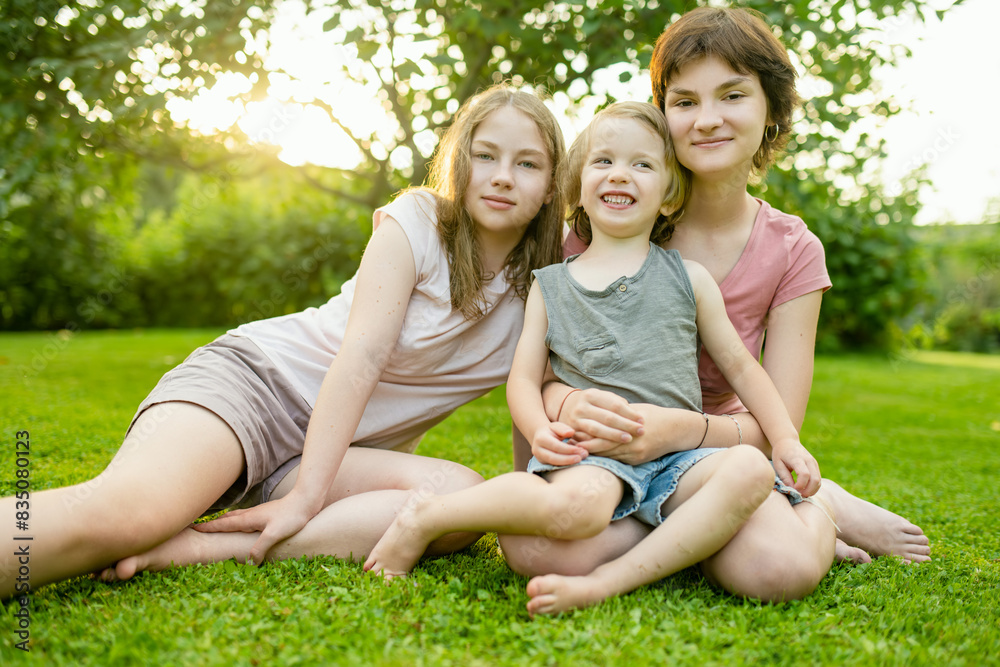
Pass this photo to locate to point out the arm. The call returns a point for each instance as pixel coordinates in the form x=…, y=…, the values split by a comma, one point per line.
x=789, y=349
x=385, y=280
x=524, y=390
x=522, y=450
x=788, y=360
x=751, y=383
x=606, y=424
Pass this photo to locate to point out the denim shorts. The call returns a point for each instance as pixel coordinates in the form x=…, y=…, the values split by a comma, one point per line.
x=649, y=485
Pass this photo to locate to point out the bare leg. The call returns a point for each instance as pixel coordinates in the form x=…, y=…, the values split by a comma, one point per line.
x=178, y=459
x=866, y=529
x=574, y=503
x=535, y=555
x=869, y=529
x=185, y=548
x=369, y=490
x=781, y=553
x=347, y=529
x=711, y=503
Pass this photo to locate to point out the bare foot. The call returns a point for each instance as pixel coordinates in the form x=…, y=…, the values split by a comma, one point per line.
x=846, y=553
x=554, y=593
x=185, y=548
x=123, y=570
x=872, y=529
x=404, y=542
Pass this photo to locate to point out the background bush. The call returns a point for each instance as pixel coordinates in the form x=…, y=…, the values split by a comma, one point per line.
x=244, y=251
x=112, y=214
x=871, y=254
x=962, y=311
x=215, y=254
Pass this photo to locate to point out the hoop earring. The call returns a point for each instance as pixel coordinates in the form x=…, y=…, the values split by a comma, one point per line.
x=773, y=136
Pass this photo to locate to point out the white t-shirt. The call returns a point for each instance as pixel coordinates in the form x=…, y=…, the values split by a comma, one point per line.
x=441, y=360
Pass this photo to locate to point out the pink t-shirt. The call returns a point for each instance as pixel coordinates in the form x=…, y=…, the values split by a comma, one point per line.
x=441, y=360
x=782, y=261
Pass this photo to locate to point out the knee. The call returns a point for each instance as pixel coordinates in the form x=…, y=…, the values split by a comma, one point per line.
x=111, y=525
x=791, y=576
x=575, y=514
x=771, y=571
x=748, y=471
x=526, y=554
x=449, y=478
x=752, y=463
x=534, y=555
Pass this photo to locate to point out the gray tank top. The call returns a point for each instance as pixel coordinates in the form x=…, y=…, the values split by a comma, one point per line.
x=636, y=338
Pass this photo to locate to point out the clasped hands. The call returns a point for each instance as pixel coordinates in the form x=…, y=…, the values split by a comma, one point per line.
x=599, y=422
x=602, y=423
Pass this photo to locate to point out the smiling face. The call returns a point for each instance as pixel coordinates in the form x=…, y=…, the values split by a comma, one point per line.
x=624, y=178
x=510, y=174
x=717, y=118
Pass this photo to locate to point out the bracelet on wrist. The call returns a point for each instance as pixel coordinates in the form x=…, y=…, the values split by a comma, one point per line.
x=705, y=434
x=739, y=429
x=561, y=405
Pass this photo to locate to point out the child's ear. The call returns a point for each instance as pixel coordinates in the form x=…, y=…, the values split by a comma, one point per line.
x=666, y=208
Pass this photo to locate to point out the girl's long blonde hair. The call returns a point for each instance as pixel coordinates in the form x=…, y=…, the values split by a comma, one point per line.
x=449, y=176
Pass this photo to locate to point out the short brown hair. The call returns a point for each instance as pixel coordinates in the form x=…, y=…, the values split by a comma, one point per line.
x=744, y=41
x=677, y=190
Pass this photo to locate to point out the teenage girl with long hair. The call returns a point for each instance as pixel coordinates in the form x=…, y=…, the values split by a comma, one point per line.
x=317, y=411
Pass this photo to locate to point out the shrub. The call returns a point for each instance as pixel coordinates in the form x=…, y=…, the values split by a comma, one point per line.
x=244, y=252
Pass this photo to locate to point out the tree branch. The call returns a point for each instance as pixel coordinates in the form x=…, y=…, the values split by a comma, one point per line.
x=322, y=104
x=336, y=192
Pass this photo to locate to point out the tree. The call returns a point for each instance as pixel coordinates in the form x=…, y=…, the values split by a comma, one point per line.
x=91, y=81
x=95, y=77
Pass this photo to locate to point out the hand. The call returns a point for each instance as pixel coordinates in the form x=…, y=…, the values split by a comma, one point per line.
x=597, y=414
x=638, y=450
x=275, y=521
x=665, y=431
x=554, y=445
x=789, y=455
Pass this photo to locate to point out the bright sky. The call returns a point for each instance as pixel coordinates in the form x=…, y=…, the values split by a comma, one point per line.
x=952, y=82
x=949, y=90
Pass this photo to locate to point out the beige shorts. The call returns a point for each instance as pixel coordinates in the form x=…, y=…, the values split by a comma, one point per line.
x=232, y=377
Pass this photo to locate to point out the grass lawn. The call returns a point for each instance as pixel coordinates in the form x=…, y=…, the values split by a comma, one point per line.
x=919, y=435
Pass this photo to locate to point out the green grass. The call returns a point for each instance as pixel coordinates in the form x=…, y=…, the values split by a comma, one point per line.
x=919, y=435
